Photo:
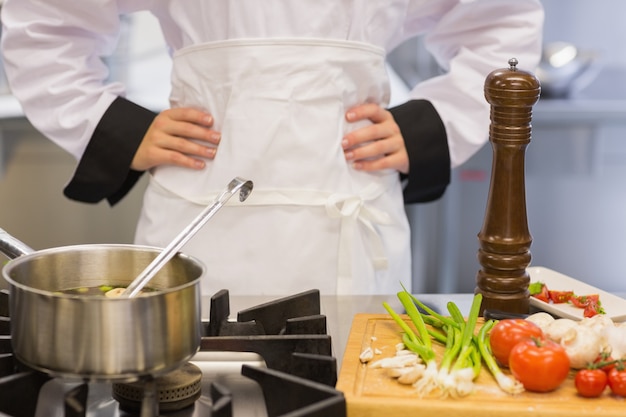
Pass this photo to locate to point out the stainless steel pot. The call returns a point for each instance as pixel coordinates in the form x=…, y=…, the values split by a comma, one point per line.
x=95, y=337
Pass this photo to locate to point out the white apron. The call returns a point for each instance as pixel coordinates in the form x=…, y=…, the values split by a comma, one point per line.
x=311, y=221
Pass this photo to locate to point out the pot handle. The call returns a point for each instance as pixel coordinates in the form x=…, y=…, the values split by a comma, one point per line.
x=13, y=247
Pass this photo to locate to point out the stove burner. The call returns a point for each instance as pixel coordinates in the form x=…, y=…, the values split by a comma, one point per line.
x=297, y=377
x=175, y=390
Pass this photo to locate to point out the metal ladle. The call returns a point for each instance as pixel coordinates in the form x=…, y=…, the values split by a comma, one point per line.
x=237, y=184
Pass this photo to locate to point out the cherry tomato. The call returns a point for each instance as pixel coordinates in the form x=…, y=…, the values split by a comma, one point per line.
x=507, y=333
x=590, y=383
x=607, y=359
x=617, y=381
x=541, y=365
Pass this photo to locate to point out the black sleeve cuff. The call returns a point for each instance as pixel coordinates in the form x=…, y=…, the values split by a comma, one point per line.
x=104, y=169
x=427, y=145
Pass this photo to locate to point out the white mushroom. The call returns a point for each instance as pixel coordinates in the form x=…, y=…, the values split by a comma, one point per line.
x=561, y=330
x=583, y=348
x=586, y=339
x=602, y=325
x=616, y=339
x=541, y=319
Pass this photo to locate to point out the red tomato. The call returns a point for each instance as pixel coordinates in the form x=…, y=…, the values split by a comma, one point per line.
x=617, y=381
x=559, y=297
x=507, y=333
x=541, y=365
x=590, y=303
x=593, y=308
x=540, y=291
x=581, y=301
x=590, y=383
x=607, y=360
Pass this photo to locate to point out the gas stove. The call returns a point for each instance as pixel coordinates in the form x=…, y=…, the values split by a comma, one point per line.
x=274, y=360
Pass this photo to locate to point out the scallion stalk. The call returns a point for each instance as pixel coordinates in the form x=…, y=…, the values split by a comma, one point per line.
x=507, y=384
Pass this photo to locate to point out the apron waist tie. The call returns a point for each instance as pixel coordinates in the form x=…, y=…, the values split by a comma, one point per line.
x=350, y=208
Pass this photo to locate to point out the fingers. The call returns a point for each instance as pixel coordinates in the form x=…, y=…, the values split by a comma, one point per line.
x=377, y=146
x=371, y=111
x=180, y=136
x=188, y=123
x=378, y=156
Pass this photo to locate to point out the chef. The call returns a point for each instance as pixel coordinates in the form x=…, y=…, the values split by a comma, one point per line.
x=292, y=95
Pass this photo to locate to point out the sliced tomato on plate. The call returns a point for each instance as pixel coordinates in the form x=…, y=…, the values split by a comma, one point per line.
x=581, y=301
x=559, y=297
x=540, y=291
x=593, y=308
x=590, y=302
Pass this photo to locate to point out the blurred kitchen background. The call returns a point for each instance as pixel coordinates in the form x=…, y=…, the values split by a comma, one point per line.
x=575, y=164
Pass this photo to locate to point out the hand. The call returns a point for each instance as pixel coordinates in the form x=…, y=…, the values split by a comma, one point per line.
x=377, y=146
x=167, y=140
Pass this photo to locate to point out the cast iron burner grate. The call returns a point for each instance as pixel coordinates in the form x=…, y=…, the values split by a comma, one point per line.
x=289, y=334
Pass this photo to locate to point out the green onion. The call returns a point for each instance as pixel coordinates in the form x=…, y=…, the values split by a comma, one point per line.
x=506, y=383
x=464, y=351
x=429, y=310
x=420, y=343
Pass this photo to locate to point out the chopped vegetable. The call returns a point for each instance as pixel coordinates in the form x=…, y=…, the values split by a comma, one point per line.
x=590, y=302
x=540, y=291
x=398, y=361
x=558, y=297
x=367, y=355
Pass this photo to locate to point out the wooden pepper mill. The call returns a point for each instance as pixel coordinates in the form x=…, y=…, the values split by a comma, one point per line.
x=504, y=238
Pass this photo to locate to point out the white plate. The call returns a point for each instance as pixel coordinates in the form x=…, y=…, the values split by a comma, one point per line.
x=614, y=306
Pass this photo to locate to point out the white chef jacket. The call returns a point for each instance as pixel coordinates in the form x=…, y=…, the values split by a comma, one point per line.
x=64, y=93
x=468, y=38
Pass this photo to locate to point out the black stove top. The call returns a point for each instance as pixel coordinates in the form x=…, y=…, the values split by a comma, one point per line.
x=274, y=360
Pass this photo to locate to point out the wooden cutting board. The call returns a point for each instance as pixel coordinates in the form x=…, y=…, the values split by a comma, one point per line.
x=371, y=392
